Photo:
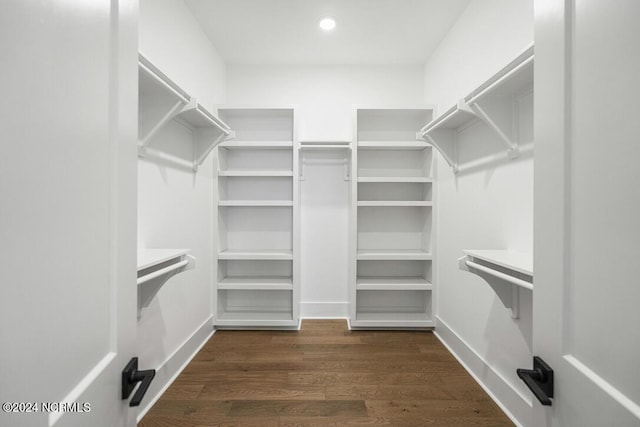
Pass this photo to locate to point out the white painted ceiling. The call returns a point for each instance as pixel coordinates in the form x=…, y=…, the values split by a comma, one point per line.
x=286, y=31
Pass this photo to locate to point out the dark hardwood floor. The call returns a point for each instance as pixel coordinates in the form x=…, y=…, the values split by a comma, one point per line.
x=324, y=376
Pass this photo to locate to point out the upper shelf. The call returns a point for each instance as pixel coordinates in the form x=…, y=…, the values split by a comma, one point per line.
x=490, y=103
x=162, y=100
x=500, y=267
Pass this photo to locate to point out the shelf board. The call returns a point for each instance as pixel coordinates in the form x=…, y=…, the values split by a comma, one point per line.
x=255, y=173
x=400, y=179
x=391, y=203
x=452, y=119
x=265, y=319
x=148, y=258
x=517, y=261
x=264, y=144
x=393, y=145
x=393, y=254
x=393, y=284
x=281, y=203
x=392, y=320
x=281, y=254
x=282, y=283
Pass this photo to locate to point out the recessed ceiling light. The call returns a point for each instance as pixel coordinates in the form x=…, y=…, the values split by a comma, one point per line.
x=328, y=24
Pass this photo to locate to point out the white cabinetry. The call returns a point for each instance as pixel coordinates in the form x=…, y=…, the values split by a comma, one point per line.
x=392, y=221
x=257, y=225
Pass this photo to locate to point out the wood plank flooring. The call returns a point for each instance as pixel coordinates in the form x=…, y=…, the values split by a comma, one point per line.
x=324, y=376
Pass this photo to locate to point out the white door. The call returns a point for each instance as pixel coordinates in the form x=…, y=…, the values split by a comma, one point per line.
x=68, y=127
x=587, y=210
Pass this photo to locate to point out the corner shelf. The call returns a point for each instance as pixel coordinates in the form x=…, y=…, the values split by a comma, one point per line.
x=156, y=267
x=506, y=272
x=162, y=100
x=491, y=103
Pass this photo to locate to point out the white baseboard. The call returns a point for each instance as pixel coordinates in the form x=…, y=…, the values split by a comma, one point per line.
x=324, y=310
x=517, y=407
x=175, y=364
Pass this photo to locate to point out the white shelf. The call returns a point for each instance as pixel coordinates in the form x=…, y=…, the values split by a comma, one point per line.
x=392, y=284
x=392, y=320
x=162, y=100
x=155, y=267
x=394, y=179
x=325, y=147
x=393, y=145
x=517, y=261
x=266, y=145
x=255, y=173
x=256, y=283
x=500, y=267
x=148, y=258
x=256, y=255
x=391, y=203
x=256, y=319
x=396, y=254
x=255, y=203
x=491, y=103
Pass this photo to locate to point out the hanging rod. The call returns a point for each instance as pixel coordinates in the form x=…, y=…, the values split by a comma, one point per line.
x=162, y=271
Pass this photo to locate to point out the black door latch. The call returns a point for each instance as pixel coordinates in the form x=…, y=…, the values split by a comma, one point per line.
x=539, y=380
x=132, y=376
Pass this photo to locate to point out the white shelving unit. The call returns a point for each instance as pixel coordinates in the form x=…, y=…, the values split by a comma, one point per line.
x=156, y=267
x=392, y=221
x=507, y=272
x=493, y=103
x=161, y=101
x=257, y=217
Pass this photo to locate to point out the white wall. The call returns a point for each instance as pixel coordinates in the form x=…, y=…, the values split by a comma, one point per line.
x=175, y=207
x=324, y=97
x=488, y=206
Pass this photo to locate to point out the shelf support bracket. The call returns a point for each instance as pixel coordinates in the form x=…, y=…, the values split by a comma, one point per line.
x=433, y=138
x=502, y=284
x=149, y=285
x=506, y=137
x=173, y=111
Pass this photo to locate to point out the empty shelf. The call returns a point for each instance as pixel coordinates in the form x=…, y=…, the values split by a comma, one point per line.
x=392, y=320
x=265, y=144
x=255, y=173
x=393, y=254
x=392, y=284
x=517, y=261
x=256, y=283
x=255, y=203
x=393, y=145
x=394, y=203
x=392, y=179
x=148, y=258
x=282, y=254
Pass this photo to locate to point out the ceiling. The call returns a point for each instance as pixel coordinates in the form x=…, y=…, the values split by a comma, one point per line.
x=287, y=32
